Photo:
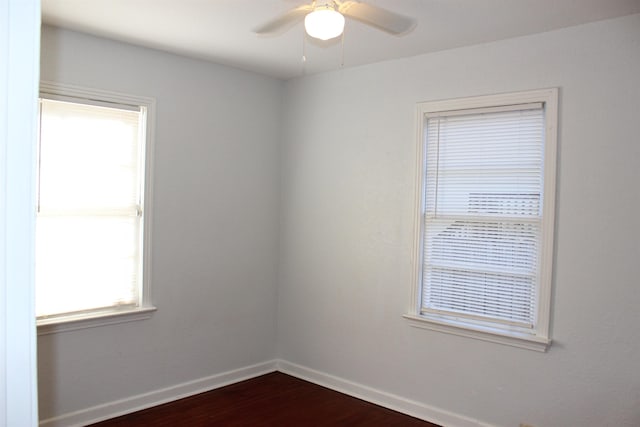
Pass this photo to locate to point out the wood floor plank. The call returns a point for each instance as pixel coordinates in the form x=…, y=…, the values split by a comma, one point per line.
x=271, y=400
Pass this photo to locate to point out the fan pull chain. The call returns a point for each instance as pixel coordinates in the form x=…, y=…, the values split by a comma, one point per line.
x=342, y=47
x=304, y=53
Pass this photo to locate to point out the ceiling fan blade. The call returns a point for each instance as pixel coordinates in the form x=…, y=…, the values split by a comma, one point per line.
x=382, y=19
x=284, y=22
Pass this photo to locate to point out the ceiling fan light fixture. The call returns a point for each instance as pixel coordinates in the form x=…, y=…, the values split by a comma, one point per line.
x=324, y=23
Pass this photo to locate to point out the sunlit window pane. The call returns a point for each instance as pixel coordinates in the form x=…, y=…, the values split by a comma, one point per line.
x=89, y=157
x=88, y=230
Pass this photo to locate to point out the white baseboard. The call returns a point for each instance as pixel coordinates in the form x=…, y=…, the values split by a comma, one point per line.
x=157, y=397
x=387, y=400
x=131, y=404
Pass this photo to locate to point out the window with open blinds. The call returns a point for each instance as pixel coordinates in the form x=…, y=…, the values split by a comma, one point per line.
x=484, y=238
x=90, y=207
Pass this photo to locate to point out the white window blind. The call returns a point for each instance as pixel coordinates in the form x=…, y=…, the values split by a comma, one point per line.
x=483, y=185
x=89, y=207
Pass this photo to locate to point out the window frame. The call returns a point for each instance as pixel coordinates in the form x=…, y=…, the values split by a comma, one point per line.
x=539, y=337
x=89, y=319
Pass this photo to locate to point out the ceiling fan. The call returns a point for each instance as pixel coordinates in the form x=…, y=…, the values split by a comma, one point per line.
x=325, y=20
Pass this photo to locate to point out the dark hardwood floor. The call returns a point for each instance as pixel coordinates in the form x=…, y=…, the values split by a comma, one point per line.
x=275, y=399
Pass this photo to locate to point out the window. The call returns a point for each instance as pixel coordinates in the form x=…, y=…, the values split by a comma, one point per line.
x=92, y=222
x=484, y=235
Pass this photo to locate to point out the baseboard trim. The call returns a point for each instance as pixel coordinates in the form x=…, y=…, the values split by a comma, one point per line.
x=158, y=397
x=139, y=402
x=387, y=400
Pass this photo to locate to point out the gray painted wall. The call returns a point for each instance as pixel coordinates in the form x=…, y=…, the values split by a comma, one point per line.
x=294, y=202
x=347, y=230
x=214, y=227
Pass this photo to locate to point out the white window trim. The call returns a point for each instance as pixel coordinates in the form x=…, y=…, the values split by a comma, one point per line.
x=92, y=320
x=146, y=309
x=539, y=339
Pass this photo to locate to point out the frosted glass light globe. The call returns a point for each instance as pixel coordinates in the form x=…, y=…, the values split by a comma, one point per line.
x=324, y=23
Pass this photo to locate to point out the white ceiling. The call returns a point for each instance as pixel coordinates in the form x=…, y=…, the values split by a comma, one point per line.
x=221, y=30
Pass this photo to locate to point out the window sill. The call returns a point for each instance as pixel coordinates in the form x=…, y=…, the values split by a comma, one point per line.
x=514, y=339
x=92, y=320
